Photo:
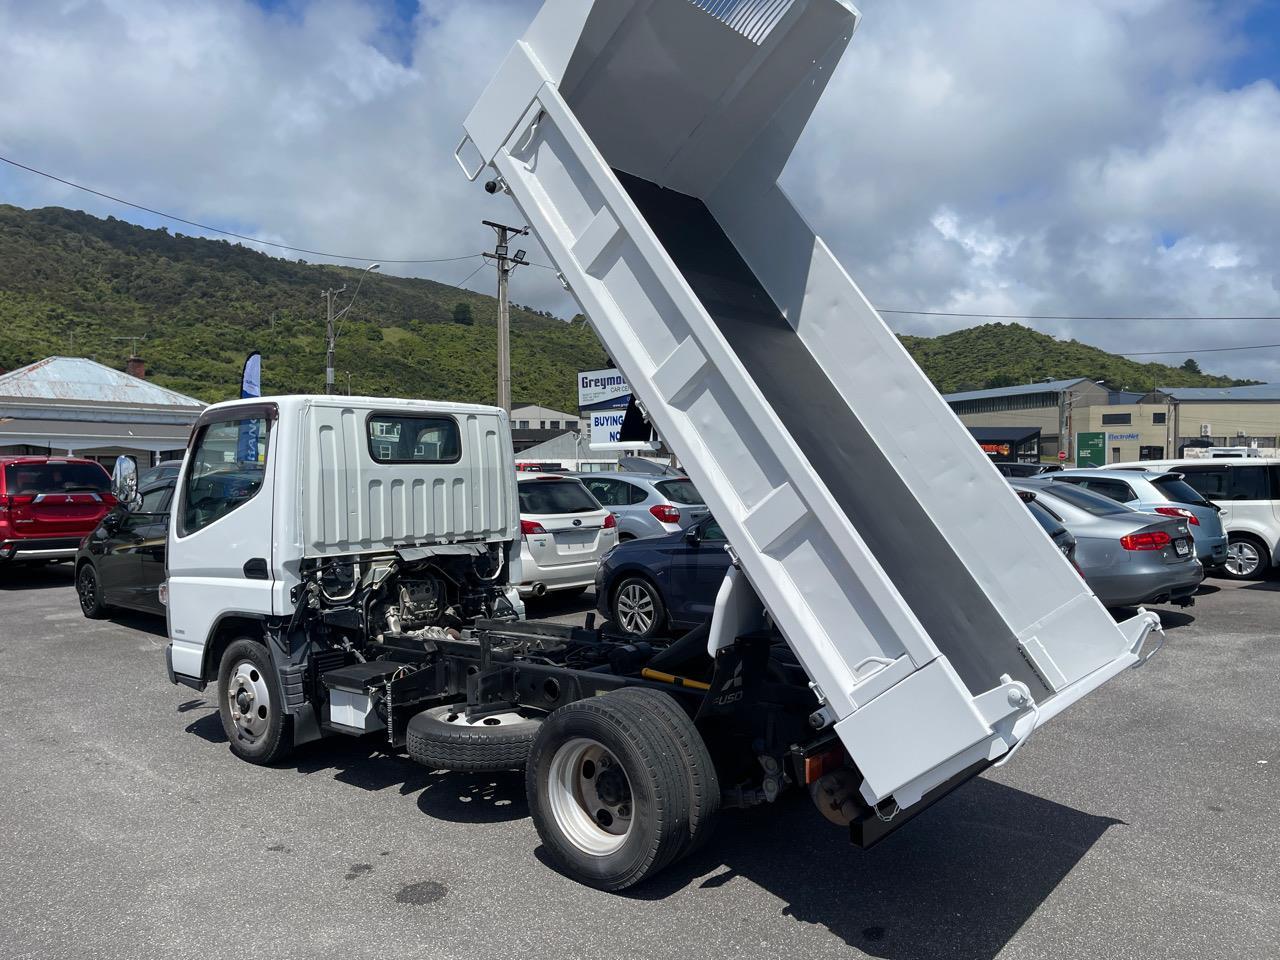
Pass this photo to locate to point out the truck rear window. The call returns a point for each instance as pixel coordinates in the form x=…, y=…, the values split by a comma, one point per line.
x=395, y=438
x=55, y=477
x=556, y=496
x=679, y=491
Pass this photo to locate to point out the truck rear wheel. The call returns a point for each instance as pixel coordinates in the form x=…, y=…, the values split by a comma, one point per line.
x=607, y=785
x=704, y=784
x=443, y=738
x=249, y=704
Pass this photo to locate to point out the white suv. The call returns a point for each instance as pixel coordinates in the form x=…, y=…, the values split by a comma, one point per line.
x=1247, y=489
x=565, y=532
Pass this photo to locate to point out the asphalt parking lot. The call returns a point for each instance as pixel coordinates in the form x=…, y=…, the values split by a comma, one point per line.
x=1142, y=823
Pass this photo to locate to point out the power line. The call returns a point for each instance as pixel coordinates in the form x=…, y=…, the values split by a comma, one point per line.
x=1045, y=316
x=1183, y=353
x=227, y=233
x=544, y=266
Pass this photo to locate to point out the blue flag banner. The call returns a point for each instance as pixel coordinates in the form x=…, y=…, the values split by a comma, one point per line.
x=250, y=386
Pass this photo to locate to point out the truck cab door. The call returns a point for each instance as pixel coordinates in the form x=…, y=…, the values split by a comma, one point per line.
x=220, y=531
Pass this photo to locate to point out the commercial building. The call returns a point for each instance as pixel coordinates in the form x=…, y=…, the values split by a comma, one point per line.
x=74, y=406
x=1227, y=416
x=530, y=416
x=1108, y=426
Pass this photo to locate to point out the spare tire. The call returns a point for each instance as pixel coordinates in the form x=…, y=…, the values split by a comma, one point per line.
x=443, y=738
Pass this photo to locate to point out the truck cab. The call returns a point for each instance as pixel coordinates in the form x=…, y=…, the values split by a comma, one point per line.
x=297, y=500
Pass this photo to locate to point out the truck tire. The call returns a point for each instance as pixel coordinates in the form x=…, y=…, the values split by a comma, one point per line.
x=249, y=704
x=443, y=739
x=704, y=784
x=607, y=784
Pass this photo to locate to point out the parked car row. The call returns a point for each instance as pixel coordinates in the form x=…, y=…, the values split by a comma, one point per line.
x=1138, y=533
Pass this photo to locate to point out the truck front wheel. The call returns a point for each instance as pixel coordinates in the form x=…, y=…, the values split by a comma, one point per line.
x=607, y=791
x=249, y=704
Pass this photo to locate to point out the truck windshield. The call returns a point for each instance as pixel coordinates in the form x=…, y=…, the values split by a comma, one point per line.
x=55, y=477
x=556, y=496
x=679, y=491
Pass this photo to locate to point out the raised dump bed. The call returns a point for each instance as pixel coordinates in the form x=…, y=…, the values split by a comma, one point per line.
x=643, y=140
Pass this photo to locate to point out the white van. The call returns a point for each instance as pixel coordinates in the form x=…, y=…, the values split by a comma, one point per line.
x=1247, y=491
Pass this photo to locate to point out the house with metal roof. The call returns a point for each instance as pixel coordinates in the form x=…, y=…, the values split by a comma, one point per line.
x=72, y=405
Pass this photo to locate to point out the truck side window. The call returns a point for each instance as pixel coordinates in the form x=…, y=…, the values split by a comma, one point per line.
x=227, y=466
x=396, y=438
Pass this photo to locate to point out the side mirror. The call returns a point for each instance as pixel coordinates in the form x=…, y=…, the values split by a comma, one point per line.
x=124, y=482
x=692, y=536
x=111, y=522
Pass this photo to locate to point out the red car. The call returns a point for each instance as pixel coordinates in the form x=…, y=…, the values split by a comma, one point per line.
x=48, y=505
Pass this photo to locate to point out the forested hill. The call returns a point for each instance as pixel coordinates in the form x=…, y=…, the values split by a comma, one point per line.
x=70, y=283
x=204, y=304
x=1005, y=354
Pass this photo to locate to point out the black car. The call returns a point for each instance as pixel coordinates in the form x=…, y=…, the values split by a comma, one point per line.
x=1025, y=469
x=121, y=564
x=656, y=585
x=161, y=471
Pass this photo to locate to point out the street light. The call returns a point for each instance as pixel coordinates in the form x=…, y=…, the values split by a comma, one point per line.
x=330, y=335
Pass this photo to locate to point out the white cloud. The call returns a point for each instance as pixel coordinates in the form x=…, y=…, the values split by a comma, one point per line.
x=1065, y=156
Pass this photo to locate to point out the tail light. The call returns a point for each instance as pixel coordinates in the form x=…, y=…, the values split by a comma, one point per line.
x=610, y=522
x=1150, y=540
x=530, y=527
x=666, y=512
x=1181, y=513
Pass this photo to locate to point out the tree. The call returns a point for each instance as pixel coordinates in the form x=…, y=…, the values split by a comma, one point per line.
x=1191, y=366
x=462, y=313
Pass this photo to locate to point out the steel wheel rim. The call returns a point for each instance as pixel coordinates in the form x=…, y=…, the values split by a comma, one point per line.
x=87, y=588
x=249, y=701
x=635, y=608
x=1242, y=558
x=589, y=797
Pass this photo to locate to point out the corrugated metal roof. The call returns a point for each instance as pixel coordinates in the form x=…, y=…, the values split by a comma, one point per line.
x=1049, y=386
x=80, y=379
x=1260, y=391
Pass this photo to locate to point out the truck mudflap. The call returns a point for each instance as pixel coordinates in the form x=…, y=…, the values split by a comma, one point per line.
x=642, y=141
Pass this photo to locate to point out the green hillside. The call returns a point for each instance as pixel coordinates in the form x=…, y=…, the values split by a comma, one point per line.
x=204, y=304
x=1004, y=354
x=70, y=282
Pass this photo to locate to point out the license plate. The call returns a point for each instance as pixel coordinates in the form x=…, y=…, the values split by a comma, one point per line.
x=1181, y=548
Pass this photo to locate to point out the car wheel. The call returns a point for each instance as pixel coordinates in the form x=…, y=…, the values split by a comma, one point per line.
x=89, y=590
x=249, y=704
x=442, y=738
x=1247, y=558
x=608, y=791
x=637, y=608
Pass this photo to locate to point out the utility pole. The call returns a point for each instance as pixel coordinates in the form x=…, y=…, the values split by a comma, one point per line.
x=330, y=338
x=330, y=334
x=506, y=264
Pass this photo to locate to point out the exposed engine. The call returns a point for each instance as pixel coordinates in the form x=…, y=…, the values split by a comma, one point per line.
x=416, y=594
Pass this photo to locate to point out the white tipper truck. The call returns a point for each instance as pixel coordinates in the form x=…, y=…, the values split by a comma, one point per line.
x=894, y=621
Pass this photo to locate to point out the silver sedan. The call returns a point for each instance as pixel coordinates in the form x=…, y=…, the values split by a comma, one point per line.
x=1128, y=558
